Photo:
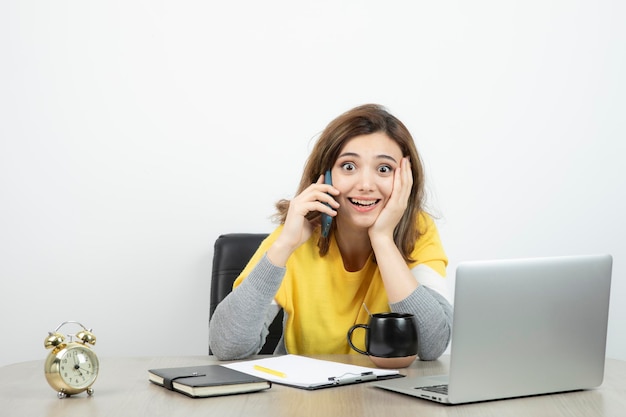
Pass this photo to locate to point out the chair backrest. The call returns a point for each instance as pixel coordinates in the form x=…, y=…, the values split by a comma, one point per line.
x=231, y=255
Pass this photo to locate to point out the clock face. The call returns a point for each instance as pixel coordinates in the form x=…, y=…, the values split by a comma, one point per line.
x=78, y=367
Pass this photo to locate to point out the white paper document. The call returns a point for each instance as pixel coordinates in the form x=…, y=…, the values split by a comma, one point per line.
x=308, y=373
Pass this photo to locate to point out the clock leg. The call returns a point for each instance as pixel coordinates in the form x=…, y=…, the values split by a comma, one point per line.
x=90, y=391
x=61, y=395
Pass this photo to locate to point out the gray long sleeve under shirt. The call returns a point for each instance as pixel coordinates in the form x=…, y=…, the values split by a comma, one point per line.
x=240, y=322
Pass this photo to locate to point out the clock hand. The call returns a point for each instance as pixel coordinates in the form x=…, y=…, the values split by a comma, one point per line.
x=77, y=368
x=85, y=370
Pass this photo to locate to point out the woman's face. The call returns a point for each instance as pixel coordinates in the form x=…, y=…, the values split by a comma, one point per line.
x=363, y=173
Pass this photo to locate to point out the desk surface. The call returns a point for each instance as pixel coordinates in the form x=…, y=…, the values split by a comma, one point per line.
x=122, y=389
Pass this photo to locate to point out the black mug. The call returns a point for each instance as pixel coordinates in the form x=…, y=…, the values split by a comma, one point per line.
x=390, y=340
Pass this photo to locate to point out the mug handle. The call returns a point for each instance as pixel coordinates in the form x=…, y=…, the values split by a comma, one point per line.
x=352, y=329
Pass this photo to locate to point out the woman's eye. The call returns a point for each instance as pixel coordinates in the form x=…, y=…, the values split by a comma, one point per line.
x=348, y=166
x=385, y=169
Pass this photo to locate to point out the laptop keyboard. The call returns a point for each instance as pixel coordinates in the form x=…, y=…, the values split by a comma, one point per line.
x=439, y=389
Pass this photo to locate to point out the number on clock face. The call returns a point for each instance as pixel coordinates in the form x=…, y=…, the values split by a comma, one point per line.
x=78, y=368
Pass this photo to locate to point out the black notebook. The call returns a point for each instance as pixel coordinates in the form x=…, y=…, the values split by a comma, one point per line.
x=207, y=380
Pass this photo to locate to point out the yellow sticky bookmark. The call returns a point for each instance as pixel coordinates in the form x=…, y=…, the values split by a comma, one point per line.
x=270, y=371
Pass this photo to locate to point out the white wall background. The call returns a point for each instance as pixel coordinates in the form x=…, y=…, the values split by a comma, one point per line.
x=133, y=133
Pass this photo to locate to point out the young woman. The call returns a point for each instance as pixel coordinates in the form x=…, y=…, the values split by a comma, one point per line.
x=383, y=251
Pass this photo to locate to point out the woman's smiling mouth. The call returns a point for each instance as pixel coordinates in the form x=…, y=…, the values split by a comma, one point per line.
x=363, y=204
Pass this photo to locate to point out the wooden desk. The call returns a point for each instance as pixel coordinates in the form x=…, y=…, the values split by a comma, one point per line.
x=122, y=389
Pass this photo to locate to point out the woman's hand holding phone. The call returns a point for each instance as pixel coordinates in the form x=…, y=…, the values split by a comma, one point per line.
x=318, y=197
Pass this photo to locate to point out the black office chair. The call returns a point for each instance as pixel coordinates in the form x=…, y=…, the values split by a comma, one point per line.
x=231, y=255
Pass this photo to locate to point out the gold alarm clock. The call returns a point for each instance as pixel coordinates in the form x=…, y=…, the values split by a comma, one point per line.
x=72, y=366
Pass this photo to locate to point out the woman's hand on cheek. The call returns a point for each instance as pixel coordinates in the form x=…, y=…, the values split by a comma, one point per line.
x=397, y=203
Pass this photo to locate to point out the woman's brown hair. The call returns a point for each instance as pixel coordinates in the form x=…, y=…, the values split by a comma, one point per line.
x=364, y=120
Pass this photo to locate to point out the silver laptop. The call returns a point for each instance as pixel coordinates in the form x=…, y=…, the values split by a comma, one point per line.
x=522, y=327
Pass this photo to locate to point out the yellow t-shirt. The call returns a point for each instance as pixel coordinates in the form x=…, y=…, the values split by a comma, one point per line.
x=322, y=300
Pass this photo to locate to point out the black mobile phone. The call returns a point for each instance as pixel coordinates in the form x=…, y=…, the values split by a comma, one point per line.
x=327, y=221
